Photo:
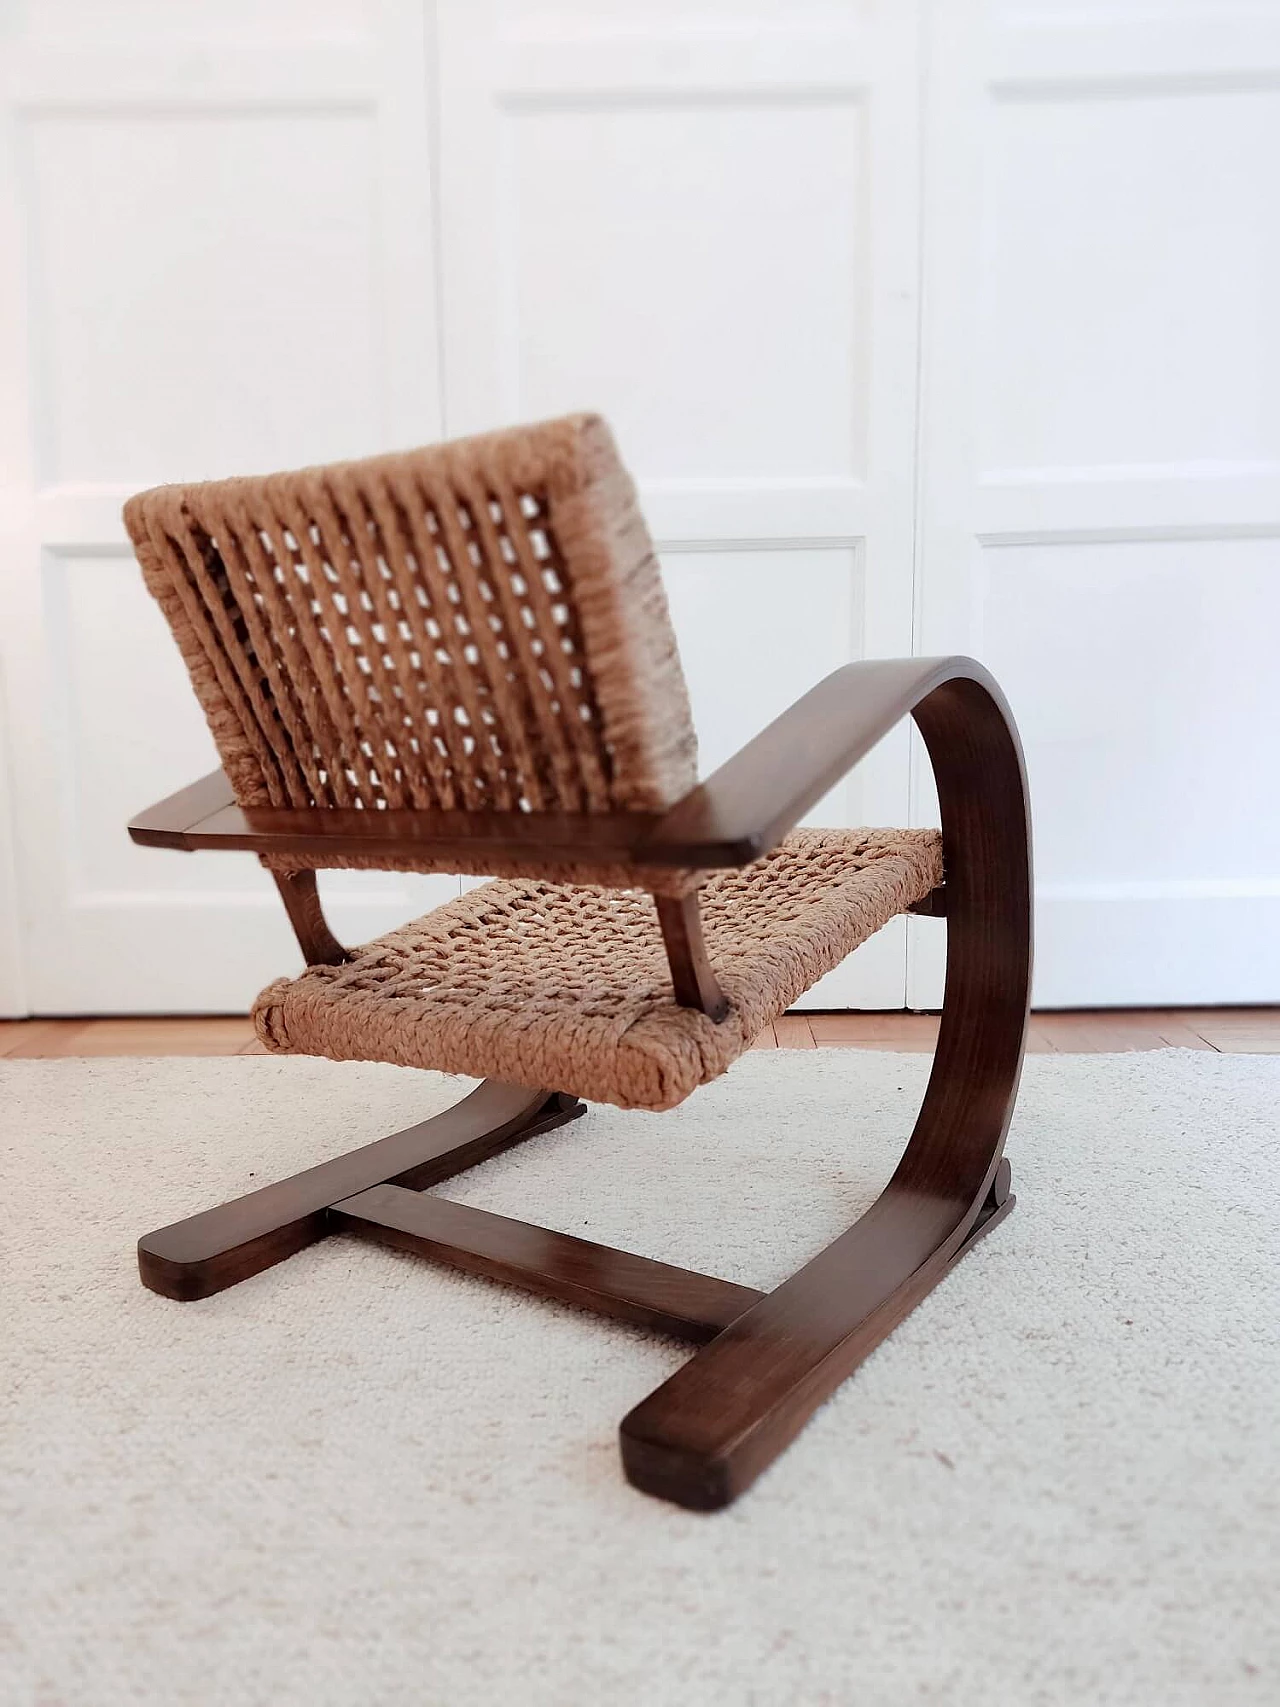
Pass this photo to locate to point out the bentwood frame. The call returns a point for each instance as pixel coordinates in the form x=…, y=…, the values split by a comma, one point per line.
x=767, y=1359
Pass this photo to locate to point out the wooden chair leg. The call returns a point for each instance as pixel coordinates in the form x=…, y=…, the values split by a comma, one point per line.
x=710, y=1430
x=213, y=1250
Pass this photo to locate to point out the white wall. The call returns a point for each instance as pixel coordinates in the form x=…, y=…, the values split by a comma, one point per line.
x=1100, y=466
x=216, y=249
x=945, y=327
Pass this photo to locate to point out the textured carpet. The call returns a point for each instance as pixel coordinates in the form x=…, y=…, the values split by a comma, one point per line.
x=358, y=1479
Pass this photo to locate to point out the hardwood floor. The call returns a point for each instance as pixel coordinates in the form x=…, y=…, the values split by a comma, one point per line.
x=1241, y=1031
x=46, y=1038
x=1105, y=1031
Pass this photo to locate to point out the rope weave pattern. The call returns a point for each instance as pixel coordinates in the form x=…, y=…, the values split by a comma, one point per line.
x=477, y=625
x=546, y=985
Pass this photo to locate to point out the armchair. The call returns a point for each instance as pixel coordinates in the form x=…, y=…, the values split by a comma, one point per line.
x=460, y=659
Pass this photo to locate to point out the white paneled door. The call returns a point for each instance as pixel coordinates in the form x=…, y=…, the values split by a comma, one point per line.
x=229, y=263
x=923, y=327
x=704, y=222
x=216, y=254
x=1100, y=468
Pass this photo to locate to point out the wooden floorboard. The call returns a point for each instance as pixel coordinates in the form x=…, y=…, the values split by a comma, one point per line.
x=793, y=1031
x=52, y=1038
x=1244, y=1031
x=1237, y=1031
x=913, y=1033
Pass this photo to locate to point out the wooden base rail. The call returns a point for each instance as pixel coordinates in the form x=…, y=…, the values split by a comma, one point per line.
x=379, y=1193
x=613, y=1283
x=767, y=1360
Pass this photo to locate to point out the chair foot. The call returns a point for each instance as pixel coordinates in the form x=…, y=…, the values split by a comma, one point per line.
x=996, y=1205
x=705, y=1435
x=709, y=1431
x=208, y=1252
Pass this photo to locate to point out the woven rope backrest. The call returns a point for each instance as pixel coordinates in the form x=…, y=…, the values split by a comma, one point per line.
x=476, y=625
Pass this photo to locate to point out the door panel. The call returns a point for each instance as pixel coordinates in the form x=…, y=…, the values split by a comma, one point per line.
x=704, y=225
x=218, y=260
x=648, y=243
x=197, y=351
x=1100, y=444
x=221, y=228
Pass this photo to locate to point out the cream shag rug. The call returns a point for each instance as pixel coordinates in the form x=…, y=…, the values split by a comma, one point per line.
x=360, y=1479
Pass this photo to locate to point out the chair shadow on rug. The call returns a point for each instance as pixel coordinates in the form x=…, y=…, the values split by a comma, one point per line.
x=459, y=659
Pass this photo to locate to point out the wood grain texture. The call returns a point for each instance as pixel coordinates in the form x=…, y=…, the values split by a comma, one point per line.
x=793, y=1031
x=712, y=1427
x=301, y=900
x=614, y=1283
x=911, y=1033
x=46, y=1039
x=1085, y=1031
x=693, y=982
x=748, y=805
x=164, y=824
x=206, y=1253
x=740, y=812
x=51, y=1039
x=205, y=815
x=1246, y=1031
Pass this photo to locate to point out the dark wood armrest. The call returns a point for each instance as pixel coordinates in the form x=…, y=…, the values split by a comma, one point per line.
x=749, y=804
x=165, y=825
x=739, y=813
x=205, y=815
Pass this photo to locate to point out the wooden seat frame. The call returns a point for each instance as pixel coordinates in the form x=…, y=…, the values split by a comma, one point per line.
x=767, y=1359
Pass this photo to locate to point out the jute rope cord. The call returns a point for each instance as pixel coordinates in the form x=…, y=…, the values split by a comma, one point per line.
x=482, y=626
x=477, y=624
x=544, y=984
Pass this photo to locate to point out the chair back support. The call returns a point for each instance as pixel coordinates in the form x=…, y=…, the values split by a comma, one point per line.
x=478, y=625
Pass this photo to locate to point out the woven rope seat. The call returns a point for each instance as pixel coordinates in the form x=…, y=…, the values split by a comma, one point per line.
x=540, y=983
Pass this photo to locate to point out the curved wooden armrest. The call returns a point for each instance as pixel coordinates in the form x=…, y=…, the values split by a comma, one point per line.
x=746, y=807
x=169, y=822
x=739, y=813
x=205, y=815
